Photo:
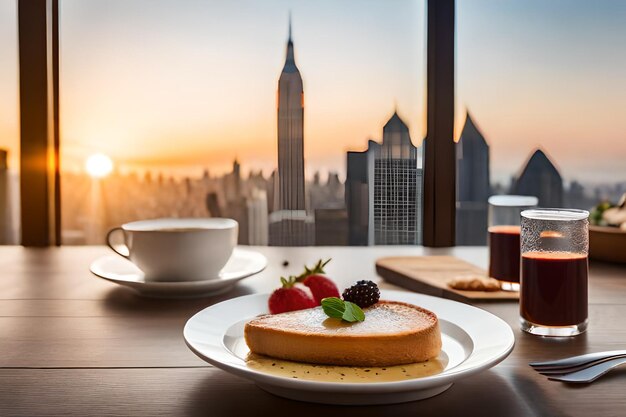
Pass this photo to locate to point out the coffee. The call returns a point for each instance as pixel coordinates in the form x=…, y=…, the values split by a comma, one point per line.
x=178, y=249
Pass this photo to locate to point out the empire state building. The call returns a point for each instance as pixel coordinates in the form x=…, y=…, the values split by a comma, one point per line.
x=290, y=224
x=290, y=134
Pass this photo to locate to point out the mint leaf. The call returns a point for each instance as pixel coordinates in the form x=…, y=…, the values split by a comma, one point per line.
x=352, y=312
x=345, y=310
x=333, y=307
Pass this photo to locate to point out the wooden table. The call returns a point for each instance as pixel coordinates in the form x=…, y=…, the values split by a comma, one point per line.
x=71, y=343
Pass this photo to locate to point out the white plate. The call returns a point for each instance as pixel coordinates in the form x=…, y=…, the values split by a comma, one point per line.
x=242, y=264
x=473, y=340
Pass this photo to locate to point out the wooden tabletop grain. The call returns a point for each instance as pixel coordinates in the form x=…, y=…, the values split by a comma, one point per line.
x=73, y=344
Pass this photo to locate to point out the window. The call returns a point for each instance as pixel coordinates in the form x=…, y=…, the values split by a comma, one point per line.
x=540, y=91
x=169, y=108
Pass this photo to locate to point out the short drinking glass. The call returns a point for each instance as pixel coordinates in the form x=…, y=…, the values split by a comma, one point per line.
x=504, y=237
x=554, y=270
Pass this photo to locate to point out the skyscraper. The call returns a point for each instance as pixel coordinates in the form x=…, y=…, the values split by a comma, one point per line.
x=541, y=179
x=357, y=194
x=235, y=205
x=387, y=180
x=472, y=158
x=290, y=225
x=291, y=134
x=397, y=188
x=331, y=227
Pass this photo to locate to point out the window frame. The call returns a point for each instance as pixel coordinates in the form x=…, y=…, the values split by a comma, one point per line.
x=38, y=30
x=38, y=46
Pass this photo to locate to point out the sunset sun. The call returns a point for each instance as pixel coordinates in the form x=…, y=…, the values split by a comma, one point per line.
x=98, y=165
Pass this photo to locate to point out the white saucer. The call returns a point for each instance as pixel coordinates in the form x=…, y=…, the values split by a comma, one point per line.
x=473, y=340
x=242, y=264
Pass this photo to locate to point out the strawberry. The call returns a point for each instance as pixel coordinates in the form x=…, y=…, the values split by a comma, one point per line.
x=321, y=286
x=289, y=298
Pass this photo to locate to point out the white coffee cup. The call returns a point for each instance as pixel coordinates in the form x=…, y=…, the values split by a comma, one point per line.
x=178, y=249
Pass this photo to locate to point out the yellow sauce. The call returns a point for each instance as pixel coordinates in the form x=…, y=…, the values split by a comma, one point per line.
x=331, y=373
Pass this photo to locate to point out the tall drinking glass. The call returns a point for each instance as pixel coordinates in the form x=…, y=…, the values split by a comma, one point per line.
x=504, y=237
x=553, y=296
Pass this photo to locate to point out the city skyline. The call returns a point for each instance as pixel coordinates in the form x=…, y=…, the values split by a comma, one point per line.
x=515, y=92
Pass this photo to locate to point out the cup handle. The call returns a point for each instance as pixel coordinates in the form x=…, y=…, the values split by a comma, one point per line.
x=108, y=240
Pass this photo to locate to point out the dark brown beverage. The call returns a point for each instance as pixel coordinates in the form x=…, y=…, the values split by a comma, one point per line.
x=554, y=288
x=504, y=253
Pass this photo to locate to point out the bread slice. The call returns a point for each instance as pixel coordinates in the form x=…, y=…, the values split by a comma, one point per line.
x=393, y=333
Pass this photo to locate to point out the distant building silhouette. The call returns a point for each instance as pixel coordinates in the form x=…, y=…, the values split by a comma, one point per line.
x=331, y=227
x=385, y=179
x=575, y=197
x=290, y=225
x=258, y=221
x=540, y=178
x=357, y=194
x=237, y=209
x=272, y=192
x=473, y=190
x=326, y=195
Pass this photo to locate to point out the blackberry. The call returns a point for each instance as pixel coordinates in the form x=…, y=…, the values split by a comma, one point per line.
x=363, y=293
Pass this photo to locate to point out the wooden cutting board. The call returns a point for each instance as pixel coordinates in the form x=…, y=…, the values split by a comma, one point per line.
x=430, y=275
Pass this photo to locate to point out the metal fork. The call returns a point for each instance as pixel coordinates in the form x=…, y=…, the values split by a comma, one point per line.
x=590, y=374
x=582, y=368
x=577, y=361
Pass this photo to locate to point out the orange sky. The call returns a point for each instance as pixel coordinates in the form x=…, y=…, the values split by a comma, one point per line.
x=170, y=100
x=191, y=86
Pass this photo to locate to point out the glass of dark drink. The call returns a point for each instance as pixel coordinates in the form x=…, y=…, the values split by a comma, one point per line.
x=554, y=269
x=504, y=237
